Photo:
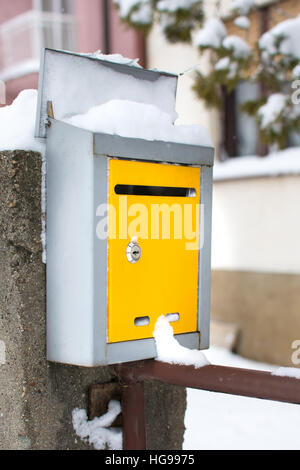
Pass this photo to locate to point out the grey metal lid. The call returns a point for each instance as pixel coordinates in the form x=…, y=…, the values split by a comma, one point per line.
x=76, y=82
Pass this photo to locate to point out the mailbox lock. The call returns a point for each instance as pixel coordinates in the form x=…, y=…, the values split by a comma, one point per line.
x=133, y=252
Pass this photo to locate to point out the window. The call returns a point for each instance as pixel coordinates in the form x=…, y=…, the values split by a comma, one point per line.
x=58, y=6
x=57, y=20
x=240, y=132
x=49, y=24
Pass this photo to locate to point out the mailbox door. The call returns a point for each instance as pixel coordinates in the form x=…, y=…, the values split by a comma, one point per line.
x=152, y=264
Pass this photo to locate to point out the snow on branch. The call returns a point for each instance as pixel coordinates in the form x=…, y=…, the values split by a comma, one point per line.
x=284, y=38
x=177, y=18
x=212, y=34
x=243, y=7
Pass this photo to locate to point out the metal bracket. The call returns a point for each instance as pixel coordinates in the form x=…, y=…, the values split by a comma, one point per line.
x=99, y=397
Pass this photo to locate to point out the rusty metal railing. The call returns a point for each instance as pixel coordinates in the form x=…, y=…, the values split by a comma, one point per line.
x=235, y=381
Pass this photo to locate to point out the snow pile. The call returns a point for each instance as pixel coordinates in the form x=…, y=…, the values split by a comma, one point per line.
x=174, y=5
x=116, y=58
x=239, y=47
x=223, y=63
x=242, y=6
x=139, y=11
x=212, y=34
x=289, y=30
x=296, y=72
x=242, y=22
x=226, y=64
x=138, y=120
x=142, y=16
x=169, y=350
x=75, y=84
x=18, y=123
x=285, y=162
x=97, y=432
x=287, y=372
x=223, y=357
x=274, y=107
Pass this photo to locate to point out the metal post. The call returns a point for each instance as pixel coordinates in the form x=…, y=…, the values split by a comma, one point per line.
x=232, y=380
x=133, y=411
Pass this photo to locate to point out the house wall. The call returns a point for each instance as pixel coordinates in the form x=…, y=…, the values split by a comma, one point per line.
x=88, y=20
x=177, y=58
x=256, y=225
x=256, y=264
x=11, y=9
x=89, y=30
x=14, y=86
x=256, y=230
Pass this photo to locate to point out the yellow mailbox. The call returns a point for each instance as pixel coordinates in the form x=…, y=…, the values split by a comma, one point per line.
x=164, y=280
x=128, y=222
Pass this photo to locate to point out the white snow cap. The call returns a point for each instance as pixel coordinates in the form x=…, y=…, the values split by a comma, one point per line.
x=18, y=123
x=116, y=58
x=169, y=350
x=290, y=30
x=243, y=6
x=285, y=162
x=138, y=120
x=296, y=72
x=97, y=432
x=225, y=64
x=142, y=16
x=174, y=5
x=212, y=34
x=287, y=372
x=242, y=22
x=241, y=50
x=270, y=111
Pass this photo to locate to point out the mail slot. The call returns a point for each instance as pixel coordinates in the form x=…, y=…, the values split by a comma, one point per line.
x=128, y=222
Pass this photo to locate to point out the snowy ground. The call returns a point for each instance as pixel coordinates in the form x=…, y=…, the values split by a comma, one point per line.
x=221, y=421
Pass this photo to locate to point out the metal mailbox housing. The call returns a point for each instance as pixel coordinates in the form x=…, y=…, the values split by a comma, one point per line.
x=93, y=293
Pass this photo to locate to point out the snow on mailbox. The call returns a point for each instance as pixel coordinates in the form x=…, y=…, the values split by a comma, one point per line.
x=128, y=211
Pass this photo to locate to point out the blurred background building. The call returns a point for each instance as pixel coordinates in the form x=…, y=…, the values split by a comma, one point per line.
x=26, y=26
x=256, y=223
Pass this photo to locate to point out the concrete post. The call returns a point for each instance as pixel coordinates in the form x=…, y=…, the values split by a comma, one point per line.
x=37, y=397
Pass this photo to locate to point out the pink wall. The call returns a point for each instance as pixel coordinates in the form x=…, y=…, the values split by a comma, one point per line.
x=8, y=10
x=90, y=35
x=13, y=87
x=89, y=19
x=124, y=40
x=11, y=8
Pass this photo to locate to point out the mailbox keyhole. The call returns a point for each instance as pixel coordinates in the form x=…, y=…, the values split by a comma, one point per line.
x=133, y=252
